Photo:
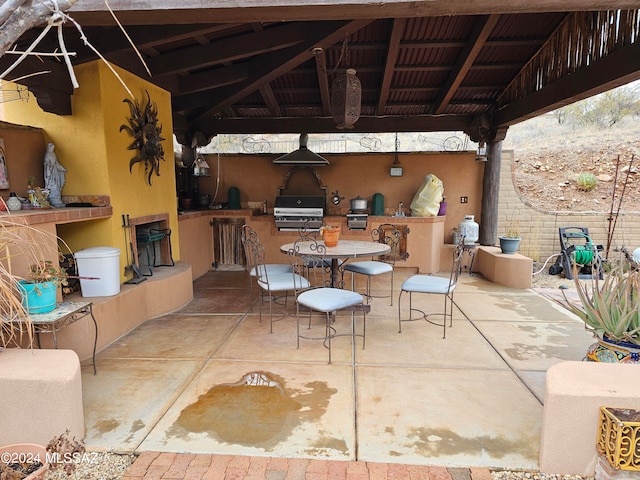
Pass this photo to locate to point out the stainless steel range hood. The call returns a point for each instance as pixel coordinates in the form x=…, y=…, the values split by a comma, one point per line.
x=302, y=156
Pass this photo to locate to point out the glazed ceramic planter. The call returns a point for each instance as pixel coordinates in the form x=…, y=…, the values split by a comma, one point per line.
x=28, y=454
x=609, y=351
x=509, y=245
x=38, y=297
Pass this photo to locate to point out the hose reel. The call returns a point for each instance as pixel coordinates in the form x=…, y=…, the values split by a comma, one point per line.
x=578, y=253
x=582, y=254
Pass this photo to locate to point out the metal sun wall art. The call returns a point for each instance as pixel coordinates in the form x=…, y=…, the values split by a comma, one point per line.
x=143, y=127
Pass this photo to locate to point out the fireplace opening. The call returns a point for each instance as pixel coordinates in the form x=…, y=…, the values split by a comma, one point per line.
x=151, y=242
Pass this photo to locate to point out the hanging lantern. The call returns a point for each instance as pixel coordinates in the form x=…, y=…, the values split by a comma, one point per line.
x=346, y=96
x=481, y=154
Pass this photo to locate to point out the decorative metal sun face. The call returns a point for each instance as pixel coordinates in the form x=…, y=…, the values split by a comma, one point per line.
x=143, y=127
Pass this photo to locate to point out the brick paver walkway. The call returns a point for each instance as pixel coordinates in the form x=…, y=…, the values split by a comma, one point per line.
x=182, y=466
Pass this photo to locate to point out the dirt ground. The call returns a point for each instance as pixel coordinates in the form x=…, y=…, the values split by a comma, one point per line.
x=549, y=158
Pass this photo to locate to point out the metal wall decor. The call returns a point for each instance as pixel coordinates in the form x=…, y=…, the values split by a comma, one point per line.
x=346, y=97
x=144, y=128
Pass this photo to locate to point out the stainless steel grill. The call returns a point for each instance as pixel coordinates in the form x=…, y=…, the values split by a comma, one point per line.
x=294, y=212
x=357, y=221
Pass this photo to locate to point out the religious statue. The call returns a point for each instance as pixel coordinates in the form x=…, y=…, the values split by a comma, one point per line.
x=54, y=177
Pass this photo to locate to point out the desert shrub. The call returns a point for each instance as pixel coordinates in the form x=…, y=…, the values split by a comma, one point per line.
x=587, y=181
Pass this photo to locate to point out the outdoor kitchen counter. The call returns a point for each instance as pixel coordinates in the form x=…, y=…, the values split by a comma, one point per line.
x=424, y=239
x=391, y=219
x=39, y=216
x=220, y=212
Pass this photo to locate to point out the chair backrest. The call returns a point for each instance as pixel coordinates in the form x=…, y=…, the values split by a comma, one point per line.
x=389, y=235
x=249, y=240
x=254, y=253
x=306, y=257
x=456, y=266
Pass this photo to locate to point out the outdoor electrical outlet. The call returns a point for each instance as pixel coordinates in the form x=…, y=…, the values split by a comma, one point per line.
x=464, y=199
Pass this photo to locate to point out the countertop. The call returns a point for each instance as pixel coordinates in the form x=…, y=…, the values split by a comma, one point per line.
x=256, y=214
x=37, y=216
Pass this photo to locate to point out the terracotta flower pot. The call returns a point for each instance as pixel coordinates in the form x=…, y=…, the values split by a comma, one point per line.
x=330, y=236
x=25, y=453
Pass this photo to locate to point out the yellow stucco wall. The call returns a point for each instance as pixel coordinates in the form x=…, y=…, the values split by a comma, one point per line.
x=90, y=145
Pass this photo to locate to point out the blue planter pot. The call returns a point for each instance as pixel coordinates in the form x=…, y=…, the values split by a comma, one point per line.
x=38, y=297
x=509, y=245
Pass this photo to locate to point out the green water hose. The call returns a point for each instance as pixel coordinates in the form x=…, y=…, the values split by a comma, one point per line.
x=583, y=254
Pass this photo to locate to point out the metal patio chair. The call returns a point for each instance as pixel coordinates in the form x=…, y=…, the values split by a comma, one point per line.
x=272, y=280
x=390, y=235
x=249, y=242
x=433, y=285
x=323, y=298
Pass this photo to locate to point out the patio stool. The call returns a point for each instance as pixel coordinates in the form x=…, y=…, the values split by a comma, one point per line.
x=149, y=240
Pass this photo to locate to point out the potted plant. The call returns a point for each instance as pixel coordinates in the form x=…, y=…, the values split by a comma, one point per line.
x=510, y=241
x=28, y=245
x=28, y=461
x=23, y=461
x=611, y=309
x=40, y=287
x=330, y=235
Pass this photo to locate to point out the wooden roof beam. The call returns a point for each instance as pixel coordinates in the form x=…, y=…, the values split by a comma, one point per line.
x=420, y=123
x=481, y=31
x=228, y=50
x=268, y=69
x=323, y=80
x=390, y=62
x=95, y=12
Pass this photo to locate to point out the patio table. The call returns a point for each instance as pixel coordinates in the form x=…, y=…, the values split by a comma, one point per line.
x=343, y=251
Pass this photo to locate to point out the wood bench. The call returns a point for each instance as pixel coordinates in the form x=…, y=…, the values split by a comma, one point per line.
x=510, y=270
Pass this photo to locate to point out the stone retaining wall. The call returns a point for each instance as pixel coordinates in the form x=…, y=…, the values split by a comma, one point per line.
x=539, y=228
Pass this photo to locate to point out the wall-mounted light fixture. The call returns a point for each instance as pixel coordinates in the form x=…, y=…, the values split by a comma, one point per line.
x=396, y=169
x=481, y=154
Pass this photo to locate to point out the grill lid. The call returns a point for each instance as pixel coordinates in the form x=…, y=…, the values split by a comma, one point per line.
x=295, y=201
x=302, y=156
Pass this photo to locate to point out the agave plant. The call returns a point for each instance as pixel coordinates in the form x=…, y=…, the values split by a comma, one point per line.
x=612, y=309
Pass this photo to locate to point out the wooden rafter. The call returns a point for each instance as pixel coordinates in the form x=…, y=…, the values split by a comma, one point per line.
x=270, y=100
x=323, y=80
x=481, y=31
x=390, y=62
x=321, y=36
x=228, y=50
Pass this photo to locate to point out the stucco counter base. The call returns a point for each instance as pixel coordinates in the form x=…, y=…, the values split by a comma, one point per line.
x=41, y=395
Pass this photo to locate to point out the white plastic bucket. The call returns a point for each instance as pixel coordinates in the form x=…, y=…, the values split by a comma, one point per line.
x=102, y=263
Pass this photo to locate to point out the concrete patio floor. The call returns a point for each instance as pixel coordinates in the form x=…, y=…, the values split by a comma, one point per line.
x=210, y=378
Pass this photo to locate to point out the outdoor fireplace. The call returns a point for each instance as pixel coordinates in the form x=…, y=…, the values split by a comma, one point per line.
x=149, y=247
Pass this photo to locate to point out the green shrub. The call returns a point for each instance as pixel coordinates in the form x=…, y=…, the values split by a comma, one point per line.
x=587, y=181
